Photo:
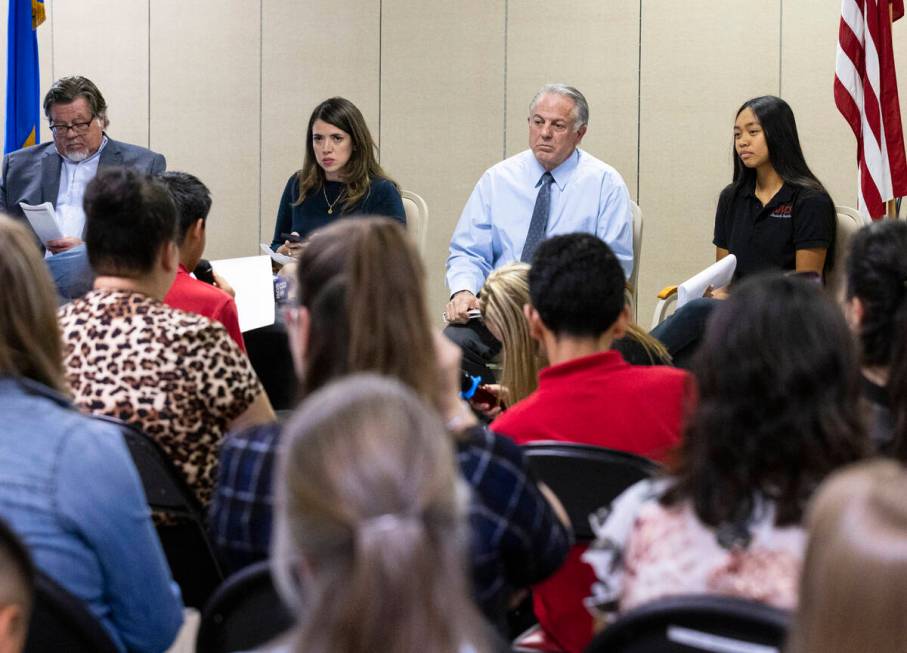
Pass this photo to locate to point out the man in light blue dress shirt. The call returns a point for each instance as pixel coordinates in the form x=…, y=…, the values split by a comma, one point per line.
x=586, y=195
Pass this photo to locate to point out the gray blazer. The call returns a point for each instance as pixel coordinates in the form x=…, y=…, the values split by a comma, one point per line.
x=32, y=174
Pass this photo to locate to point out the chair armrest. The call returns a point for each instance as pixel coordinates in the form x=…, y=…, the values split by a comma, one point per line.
x=666, y=297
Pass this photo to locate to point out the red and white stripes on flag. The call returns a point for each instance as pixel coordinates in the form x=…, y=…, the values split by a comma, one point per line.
x=866, y=93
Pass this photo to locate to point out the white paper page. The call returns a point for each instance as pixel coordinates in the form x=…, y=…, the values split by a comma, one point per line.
x=280, y=259
x=716, y=275
x=43, y=220
x=253, y=282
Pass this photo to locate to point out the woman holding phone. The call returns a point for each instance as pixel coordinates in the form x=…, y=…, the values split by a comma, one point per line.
x=340, y=176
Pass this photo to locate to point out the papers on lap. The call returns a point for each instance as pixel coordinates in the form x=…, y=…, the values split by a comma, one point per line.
x=716, y=275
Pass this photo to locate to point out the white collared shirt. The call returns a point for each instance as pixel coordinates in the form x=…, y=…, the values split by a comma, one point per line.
x=74, y=178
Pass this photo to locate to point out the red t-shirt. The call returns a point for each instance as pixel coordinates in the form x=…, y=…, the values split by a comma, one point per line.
x=604, y=401
x=194, y=296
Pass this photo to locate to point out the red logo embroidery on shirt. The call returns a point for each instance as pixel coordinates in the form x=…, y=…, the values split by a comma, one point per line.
x=782, y=211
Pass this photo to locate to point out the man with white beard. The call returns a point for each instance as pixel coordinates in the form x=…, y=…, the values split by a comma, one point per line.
x=58, y=172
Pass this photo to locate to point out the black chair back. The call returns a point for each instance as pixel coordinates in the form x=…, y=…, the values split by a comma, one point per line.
x=685, y=624
x=244, y=613
x=269, y=353
x=61, y=622
x=189, y=552
x=585, y=477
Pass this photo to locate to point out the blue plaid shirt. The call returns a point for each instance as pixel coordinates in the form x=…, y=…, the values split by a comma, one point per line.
x=241, y=510
x=517, y=540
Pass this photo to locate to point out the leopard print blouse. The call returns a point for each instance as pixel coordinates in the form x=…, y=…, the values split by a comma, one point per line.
x=175, y=375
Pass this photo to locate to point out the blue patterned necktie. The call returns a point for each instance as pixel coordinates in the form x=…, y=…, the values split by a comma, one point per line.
x=539, y=223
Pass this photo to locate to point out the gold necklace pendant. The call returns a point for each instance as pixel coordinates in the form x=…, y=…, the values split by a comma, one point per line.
x=331, y=204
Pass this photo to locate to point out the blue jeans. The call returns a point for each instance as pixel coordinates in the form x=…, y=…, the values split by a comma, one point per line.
x=682, y=331
x=71, y=272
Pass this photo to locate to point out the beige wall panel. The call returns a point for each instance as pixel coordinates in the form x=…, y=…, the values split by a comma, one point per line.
x=809, y=40
x=700, y=60
x=205, y=92
x=300, y=68
x=442, y=108
x=111, y=49
x=600, y=58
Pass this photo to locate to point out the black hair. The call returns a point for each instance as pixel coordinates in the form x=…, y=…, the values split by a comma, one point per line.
x=777, y=409
x=128, y=218
x=191, y=197
x=576, y=284
x=877, y=276
x=784, y=152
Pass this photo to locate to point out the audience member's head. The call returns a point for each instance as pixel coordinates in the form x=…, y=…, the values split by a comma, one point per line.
x=17, y=588
x=130, y=226
x=877, y=306
x=505, y=293
x=193, y=202
x=853, y=593
x=576, y=288
x=30, y=344
x=777, y=403
x=370, y=524
x=361, y=290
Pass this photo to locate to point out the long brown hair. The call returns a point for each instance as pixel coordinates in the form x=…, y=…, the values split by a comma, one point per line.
x=371, y=516
x=364, y=285
x=359, y=171
x=30, y=343
x=777, y=411
x=853, y=592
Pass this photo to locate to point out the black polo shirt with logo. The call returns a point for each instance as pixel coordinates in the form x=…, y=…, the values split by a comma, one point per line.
x=768, y=237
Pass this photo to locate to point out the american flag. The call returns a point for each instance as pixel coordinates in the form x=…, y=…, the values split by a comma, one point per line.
x=866, y=93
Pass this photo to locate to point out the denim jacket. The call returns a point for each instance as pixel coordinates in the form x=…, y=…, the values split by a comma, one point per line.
x=69, y=488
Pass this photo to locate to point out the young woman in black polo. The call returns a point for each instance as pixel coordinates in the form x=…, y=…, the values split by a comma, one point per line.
x=774, y=215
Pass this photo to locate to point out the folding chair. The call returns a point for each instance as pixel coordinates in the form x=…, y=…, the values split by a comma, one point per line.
x=416, y=211
x=244, y=613
x=189, y=552
x=269, y=353
x=704, y=622
x=585, y=477
x=61, y=622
